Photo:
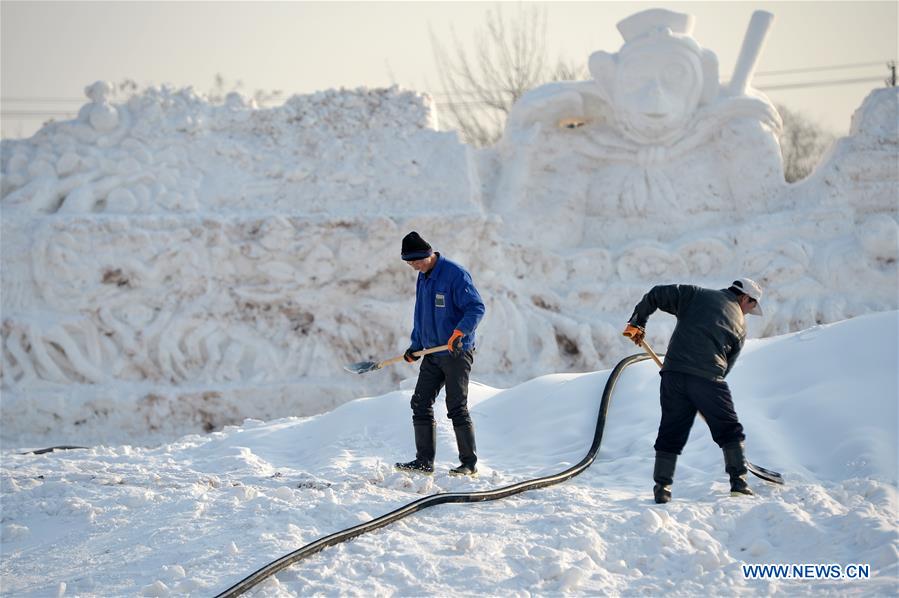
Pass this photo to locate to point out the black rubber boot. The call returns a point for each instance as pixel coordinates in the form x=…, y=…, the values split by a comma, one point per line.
x=425, y=449
x=467, y=451
x=735, y=466
x=663, y=475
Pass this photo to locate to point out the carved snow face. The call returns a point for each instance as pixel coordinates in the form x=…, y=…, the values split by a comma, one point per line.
x=657, y=89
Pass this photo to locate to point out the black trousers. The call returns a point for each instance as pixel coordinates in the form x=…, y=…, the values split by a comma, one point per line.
x=682, y=395
x=439, y=370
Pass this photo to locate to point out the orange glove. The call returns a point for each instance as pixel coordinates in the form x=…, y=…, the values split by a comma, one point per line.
x=635, y=333
x=455, y=343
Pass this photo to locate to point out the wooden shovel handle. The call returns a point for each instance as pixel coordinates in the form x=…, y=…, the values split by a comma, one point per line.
x=651, y=353
x=421, y=353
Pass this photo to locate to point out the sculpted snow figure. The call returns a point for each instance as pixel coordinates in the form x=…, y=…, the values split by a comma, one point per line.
x=656, y=131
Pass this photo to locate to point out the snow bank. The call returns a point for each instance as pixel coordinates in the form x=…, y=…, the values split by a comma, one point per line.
x=200, y=263
x=194, y=516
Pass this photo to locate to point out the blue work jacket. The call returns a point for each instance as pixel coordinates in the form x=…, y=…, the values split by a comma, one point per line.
x=445, y=299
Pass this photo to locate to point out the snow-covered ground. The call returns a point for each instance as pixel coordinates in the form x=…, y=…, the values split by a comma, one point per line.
x=194, y=516
x=173, y=266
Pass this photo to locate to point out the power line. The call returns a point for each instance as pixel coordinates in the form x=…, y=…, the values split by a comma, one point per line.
x=760, y=88
x=820, y=83
x=805, y=84
x=44, y=100
x=36, y=113
x=813, y=69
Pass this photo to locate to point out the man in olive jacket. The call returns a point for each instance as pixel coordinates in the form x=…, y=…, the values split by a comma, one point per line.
x=706, y=342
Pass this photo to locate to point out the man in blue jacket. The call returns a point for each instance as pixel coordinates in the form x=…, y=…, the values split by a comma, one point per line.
x=448, y=309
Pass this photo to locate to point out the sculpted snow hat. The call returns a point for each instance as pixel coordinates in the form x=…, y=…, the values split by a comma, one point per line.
x=415, y=248
x=750, y=287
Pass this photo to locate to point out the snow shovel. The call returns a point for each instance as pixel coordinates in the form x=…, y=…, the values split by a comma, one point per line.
x=766, y=474
x=370, y=366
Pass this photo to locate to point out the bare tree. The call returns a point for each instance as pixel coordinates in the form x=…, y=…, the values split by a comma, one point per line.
x=222, y=87
x=802, y=144
x=509, y=57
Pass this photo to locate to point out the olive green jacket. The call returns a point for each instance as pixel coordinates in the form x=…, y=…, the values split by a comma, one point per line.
x=710, y=329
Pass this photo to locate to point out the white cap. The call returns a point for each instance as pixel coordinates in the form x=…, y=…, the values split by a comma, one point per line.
x=753, y=290
x=655, y=19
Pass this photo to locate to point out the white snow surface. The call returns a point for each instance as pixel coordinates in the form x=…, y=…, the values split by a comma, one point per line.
x=173, y=267
x=194, y=516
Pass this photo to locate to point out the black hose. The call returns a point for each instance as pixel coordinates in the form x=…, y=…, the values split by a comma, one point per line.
x=445, y=497
x=44, y=451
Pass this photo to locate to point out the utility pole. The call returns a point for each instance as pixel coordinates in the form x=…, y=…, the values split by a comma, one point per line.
x=891, y=81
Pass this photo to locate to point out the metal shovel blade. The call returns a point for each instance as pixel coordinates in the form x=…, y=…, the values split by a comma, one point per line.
x=766, y=474
x=362, y=367
x=370, y=366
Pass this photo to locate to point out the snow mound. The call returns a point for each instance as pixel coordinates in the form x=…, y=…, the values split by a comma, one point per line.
x=196, y=515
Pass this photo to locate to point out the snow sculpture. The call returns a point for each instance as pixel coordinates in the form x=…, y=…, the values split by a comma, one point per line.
x=655, y=171
x=191, y=253
x=198, y=263
x=654, y=130
x=102, y=115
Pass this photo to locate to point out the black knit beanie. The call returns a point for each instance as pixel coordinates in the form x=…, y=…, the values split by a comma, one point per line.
x=415, y=248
